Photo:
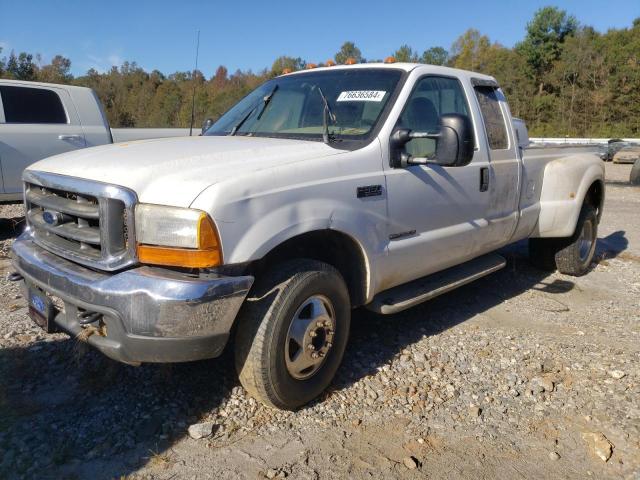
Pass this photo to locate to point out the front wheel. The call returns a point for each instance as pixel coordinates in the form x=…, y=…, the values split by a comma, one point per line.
x=292, y=333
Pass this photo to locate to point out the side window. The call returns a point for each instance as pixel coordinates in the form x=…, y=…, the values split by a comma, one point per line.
x=431, y=98
x=31, y=105
x=493, y=118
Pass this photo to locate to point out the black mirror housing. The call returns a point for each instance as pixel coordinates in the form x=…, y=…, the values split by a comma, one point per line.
x=206, y=125
x=454, y=143
x=455, y=146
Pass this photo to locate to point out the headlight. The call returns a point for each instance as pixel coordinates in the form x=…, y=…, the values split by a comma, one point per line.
x=181, y=237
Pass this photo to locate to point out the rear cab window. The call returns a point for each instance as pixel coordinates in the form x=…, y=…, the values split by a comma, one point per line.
x=32, y=105
x=493, y=116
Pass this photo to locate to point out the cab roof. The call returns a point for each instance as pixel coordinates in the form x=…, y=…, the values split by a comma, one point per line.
x=407, y=67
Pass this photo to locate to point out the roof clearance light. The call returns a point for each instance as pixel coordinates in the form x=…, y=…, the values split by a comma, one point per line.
x=330, y=63
x=350, y=61
x=390, y=60
x=311, y=65
x=286, y=71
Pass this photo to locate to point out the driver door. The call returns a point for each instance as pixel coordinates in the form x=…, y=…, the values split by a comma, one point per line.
x=437, y=214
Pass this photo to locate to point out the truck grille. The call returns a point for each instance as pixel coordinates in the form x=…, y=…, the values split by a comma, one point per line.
x=86, y=222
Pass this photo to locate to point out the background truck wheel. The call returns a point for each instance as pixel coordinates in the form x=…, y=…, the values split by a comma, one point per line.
x=634, y=176
x=292, y=333
x=573, y=255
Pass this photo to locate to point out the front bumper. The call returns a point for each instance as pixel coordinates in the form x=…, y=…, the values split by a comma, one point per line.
x=149, y=314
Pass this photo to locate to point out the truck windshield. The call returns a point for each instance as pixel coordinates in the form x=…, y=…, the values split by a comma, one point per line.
x=295, y=106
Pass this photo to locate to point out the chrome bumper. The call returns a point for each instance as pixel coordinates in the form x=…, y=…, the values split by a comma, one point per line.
x=150, y=314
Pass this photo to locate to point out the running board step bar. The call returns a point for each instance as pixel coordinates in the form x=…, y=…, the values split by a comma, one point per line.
x=413, y=293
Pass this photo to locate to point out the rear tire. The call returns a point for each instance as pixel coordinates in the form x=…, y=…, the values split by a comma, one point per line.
x=576, y=254
x=634, y=176
x=292, y=333
x=573, y=255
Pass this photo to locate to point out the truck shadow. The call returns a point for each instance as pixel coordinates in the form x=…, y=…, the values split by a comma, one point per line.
x=611, y=246
x=68, y=412
x=377, y=339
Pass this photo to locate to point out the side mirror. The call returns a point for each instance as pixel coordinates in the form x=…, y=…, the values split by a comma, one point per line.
x=454, y=143
x=206, y=125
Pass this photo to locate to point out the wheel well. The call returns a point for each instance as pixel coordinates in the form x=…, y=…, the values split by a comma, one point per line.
x=595, y=197
x=330, y=246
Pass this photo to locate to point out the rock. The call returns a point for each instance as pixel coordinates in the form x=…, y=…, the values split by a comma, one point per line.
x=617, y=374
x=554, y=456
x=271, y=473
x=542, y=384
x=410, y=462
x=599, y=444
x=201, y=430
x=548, y=384
x=474, y=411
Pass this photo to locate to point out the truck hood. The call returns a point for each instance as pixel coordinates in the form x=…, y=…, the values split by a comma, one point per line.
x=173, y=171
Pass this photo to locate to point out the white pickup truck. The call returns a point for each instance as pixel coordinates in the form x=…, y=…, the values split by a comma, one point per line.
x=38, y=120
x=376, y=185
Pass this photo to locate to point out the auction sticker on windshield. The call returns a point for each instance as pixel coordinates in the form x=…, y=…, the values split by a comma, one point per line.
x=361, y=96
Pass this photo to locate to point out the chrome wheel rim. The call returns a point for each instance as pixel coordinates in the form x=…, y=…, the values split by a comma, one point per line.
x=310, y=337
x=586, y=241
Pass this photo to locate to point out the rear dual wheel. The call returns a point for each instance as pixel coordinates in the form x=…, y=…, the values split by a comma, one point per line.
x=292, y=333
x=573, y=255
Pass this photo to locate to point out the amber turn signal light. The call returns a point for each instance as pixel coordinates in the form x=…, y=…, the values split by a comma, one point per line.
x=208, y=254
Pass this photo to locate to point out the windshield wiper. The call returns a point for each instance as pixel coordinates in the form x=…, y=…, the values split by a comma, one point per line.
x=327, y=115
x=265, y=101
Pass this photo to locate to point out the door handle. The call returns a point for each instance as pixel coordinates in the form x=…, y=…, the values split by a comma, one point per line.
x=70, y=137
x=484, y=179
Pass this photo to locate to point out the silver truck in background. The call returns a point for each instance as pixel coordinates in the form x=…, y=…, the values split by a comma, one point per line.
x=38, y=120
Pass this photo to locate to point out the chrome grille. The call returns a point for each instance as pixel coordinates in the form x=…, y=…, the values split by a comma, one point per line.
x=84, y=221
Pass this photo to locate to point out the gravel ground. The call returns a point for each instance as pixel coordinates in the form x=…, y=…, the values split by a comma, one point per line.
x=520, y=375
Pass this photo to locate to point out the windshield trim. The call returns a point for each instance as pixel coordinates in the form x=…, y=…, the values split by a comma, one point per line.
x=341, y=143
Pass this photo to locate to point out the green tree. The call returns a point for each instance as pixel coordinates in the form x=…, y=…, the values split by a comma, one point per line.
x=348, y=50
x=286, y=63
x=58, y=71
x=405, y=54
x=22, y=67
x=435, y=56
x=543, y=43
x=471, y=51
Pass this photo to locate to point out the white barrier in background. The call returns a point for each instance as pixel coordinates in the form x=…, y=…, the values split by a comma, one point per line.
x=574, y=141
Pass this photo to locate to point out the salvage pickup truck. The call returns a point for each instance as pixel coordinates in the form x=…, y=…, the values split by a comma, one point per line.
x=38, y=120
x=375, y=185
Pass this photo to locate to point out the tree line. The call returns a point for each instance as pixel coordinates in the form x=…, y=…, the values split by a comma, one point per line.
x=563, y=78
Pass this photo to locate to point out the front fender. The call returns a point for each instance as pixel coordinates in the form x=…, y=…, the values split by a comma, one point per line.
x=565, y=184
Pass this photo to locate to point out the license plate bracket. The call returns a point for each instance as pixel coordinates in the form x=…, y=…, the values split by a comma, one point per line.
x=41, y=309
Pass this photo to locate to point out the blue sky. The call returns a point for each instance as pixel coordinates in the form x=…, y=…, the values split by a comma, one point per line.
x=251, y=34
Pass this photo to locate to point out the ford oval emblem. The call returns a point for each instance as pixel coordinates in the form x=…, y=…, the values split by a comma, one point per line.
x=52, y=218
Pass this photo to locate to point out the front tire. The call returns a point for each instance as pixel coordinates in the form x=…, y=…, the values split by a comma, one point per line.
x=292, y=333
